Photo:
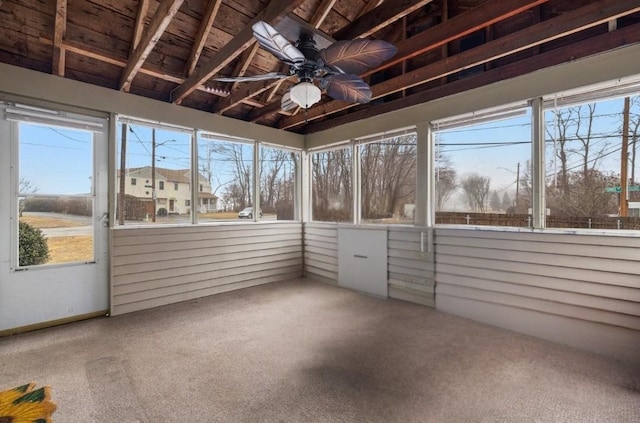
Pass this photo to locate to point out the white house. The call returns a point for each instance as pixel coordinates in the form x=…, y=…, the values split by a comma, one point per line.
x=173, y=189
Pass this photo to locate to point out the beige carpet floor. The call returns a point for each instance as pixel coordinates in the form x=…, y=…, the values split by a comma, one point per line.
x=302, y=351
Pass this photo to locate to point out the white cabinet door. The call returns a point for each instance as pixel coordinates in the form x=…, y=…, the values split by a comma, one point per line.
x=362, y=259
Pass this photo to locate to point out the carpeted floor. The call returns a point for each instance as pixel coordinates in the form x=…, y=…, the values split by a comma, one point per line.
x=307, y=352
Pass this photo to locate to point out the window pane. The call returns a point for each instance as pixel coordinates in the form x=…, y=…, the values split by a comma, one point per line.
x=483, y=173
x=55, y=160
x=584, y=165
x=55, y=195
x=157, y=175
x=277, y=183
x=388, y=178
x=226, y=173
x=332, y=193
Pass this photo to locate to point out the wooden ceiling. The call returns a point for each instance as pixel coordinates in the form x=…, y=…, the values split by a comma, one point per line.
x=170, y=49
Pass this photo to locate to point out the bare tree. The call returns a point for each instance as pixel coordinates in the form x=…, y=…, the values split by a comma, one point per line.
x=277, y=173
x=494, y=202
x=445, y=180
x=206, y=160
x=507, y=201
x=25, y=186
x=584, y=196
x=238, y=193
x=476, y=191
x=332, y=185
x=388, y=171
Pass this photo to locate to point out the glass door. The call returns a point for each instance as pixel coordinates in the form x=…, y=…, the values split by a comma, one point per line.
x=58, y=257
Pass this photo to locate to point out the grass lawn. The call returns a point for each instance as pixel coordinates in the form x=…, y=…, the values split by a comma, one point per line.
x=219, y=215
x=42, y=222
x=65, y=249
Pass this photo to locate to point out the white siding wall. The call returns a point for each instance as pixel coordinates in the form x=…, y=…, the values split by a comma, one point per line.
x=581, y=290
x=321, y=252
x=411, y=265
x=157, y=266
x=410, y=269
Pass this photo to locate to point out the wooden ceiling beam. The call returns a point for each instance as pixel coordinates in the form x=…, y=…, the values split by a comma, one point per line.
x=165, y=12
x=58, y=62
x=143, y=9
x=379, y=18
x=487, y=13
x=71, y=47
x=252, y=89
x=574, y=51
x=596, y=13
x=370, y=6
x=203, y=33
x=321, y=13
x=272, y=14
x=472, y=20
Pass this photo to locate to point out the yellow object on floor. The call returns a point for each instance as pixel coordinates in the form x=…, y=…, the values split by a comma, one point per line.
x=25, y=404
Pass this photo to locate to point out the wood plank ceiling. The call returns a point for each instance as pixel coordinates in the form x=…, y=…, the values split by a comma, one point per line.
x=171, y=49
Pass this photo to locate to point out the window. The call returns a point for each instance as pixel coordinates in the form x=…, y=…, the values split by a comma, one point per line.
x=55, y=190
x=201, y=188
x=332, y=185
x=155, y=153
x=187, y=203
x=133, y=181
x=483, y=169
x=585, y=147
x=278, y=170
x=225, y=171
x=388, y=179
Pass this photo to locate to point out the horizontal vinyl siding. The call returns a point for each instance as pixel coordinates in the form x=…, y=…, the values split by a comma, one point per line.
x=582, y=290
x=411, y=270
x=163, y=265
x=321, y=252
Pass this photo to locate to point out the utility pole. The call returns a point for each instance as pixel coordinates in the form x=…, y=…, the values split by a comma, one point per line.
x=123, y=174
x=624, y=205
x=153, y=172
x=517, y=187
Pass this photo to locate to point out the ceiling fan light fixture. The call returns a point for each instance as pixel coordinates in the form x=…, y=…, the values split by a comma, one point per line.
x=305, y=94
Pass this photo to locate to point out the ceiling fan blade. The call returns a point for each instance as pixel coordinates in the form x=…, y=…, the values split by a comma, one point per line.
x=345, y=87
x=356, y=56
x=272, y=41
x=270, y=75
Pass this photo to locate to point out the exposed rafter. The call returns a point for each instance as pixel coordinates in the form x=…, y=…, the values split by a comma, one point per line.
x=203, y=34
x=457, y=27
x=466, y=23
x=321, y=13
x=593, y=14
x=141, y=16
x=58, y=63
x=272, y=13
x=71, y=47
x=165, y=12
x=239, y=70
x=378, y=18
x=275, y=106
x=595, y=45
x=370, y=6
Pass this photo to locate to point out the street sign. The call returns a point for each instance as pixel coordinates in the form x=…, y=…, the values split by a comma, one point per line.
x=618, y=189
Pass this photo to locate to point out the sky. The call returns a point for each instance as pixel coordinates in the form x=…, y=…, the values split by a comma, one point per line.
x=56, y=160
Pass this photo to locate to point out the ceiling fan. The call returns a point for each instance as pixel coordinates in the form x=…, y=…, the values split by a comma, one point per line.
x=335, y=67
